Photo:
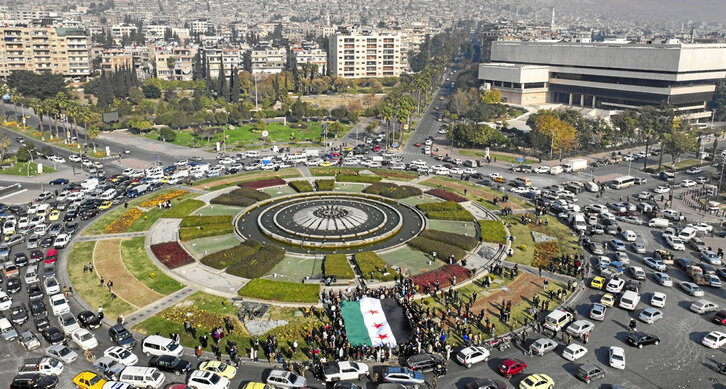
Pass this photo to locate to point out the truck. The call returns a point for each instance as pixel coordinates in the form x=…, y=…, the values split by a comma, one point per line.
x=577, y=221
x=696, y=274
x=664, y=255
x=556, y=170
x=46, y=365
x=575, y=165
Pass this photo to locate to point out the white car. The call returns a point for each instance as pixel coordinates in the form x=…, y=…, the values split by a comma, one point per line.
x=200, y=379
x=61, y=241
x=51, y=286
x=615, y=285
x=694, y=170
x=74, y=158
x=675, y=243
x=574, y=352
x=494, y=175
x=68, y=323
x=61, y=353
x=5, y=301
x=84, y=339
x=59, y=304
x=714, y=339
x=57, y=159
x=658, y=299
x=655, y=263
x=691, y=288
x=471, y=355
x=616, y=357
x=661, y=189
x=701, y=227
x=580, y=327
x=702, y=306
x=688, y=183
x=456, y=170
x=121, y=355
x=650, y=315
x=519, y=190
x=344, y=371
x=182, y=162
x=542, y=169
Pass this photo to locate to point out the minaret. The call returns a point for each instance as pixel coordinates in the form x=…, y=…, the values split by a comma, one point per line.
x=552, y=21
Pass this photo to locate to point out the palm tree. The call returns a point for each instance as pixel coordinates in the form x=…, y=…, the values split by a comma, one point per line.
x=38, y=107
x=92, y=132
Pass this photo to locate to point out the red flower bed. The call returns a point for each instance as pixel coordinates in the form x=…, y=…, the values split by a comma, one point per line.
x=446, y=195
x=444, y=275
x=263, y=183
x=171, y=254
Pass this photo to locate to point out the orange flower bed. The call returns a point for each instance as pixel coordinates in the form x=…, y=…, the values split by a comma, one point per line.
x=124, y=221
x=163, y=198
x=545, y=252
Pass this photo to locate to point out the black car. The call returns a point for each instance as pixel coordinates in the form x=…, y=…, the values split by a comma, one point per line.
x=15, y=209
x=588, y=372
x=46, y=242
x=485, y=383
x=21, y=259
x=41, y=323
x=34, y=381
x=53, y=335
x=37, y=308
x=71, y=228
x=18, y=314
x=35, y=256
x=121, y=336
x=89, y=320
x=88, y=213
x=70, y=216
x=59, y=181
x=424, y=361
x=171, y=364
x=640, y=339
x=683, y=263
x=14, y=285
x=35, y=292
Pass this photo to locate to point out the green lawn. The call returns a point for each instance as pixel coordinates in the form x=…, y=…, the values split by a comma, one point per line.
x=466, y=228
x=179, y=209
x=217, y=210
x=211, y=244
x=243, y=135
x=138, y=263
x=277, y=191
x=479, y=193
x=294, y=269
x=97, y=227
x=499, y=156
x=410, y=260
x=524, y=244
x=416, y=200
x=349, y=187
x=87, y=286
x=26, y=169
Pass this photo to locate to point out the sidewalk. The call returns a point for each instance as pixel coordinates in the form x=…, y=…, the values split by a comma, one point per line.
x=125, y=138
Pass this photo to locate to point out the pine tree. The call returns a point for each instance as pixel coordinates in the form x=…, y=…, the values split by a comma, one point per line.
x=234, y=86
x=222, y=90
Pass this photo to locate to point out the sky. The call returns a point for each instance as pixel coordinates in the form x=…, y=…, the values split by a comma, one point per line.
x=682, y=10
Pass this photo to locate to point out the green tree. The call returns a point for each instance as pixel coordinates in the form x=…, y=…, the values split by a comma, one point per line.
x=678, y=141
x=491, y=96
x=551, y=132
x=167, y=134
x=5, y=143
x=38, y=85
x=92, y=132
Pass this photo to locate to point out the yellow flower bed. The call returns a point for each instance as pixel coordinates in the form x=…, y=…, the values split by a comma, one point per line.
x=124, y=221
x=165, y=197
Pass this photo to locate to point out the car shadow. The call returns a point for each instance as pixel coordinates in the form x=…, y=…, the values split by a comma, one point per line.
x=697, y=336
x=602, y=355
x=685, y=305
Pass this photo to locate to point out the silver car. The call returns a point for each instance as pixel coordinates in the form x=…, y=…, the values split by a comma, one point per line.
x=598, y=311
x=542, y=346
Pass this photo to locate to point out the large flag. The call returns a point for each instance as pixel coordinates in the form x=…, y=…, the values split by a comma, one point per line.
x=375, y=322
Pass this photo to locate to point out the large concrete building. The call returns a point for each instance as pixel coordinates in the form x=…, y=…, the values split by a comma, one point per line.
x=359, y=54
x=606, y=75
x=44, y=49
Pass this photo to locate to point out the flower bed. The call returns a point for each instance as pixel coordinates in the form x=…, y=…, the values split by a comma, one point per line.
x=337, y=265
x=258, y=263
x=356, y=178
x=171, y=254
x=446, y=195
x=153, y=202
x=545, y=252
x=446, y=210
x=123, y=222
x=493, y=231
x=262, y=183
x=301, y=186
x=325, y=185
x=242, y=197
x=281, y=291
x=444, y=275
x=399, y=175
x=443, y=251
x=372, y=266
x=458, y=240
x=225, y=258
x=393, y=191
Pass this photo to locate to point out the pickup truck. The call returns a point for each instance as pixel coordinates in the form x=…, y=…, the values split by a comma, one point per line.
x=47, y=365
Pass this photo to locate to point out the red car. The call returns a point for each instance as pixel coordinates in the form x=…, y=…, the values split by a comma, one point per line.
x=377, y=148
x=719, y=318
x=417, y=144
x=511, y=367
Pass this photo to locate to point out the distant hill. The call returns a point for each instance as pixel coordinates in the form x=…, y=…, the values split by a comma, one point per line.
x=702, y=10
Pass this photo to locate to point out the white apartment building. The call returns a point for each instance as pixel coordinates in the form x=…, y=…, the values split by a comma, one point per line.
x=173, y=63
x=229, y=58
x=118, y=31
x=359, y=54
x=152, y=31
x=199, y=26
x=269, y=60
x=315, y=56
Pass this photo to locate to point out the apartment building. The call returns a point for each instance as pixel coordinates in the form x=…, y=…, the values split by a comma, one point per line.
x=314, y=56
x=269, y=60
x=154, y=31
x=227, y=58
x=118, y=31
x=173, y=63
x=359, y=54
x=607, y=75
x=44, y=49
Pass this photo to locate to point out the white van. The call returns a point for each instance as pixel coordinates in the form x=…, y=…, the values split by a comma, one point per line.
x=629, y=300
x=142, y=377
x=591, y=186
x=659, y=222
x=159, y=345
x=557, y=169
x=297, y=158
x=558, y=319
x=672, y=214
x=108, y=194
x=252, y=154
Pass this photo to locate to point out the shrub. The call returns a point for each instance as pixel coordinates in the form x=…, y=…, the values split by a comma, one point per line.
x=162, y=198
x=444, y=275
x=281, y=291
x=258, y=263
x=446, y=195
x=301, y=186
x=242, y=197
x=369, y=263
x=443, y=250
x=353, y=178
x=171, y=254
x=493, y=231
x=262, y=183
x=325, y=185
x=337, y=264
x=183, y=208
x=224, y=258
x=392, y=191
x=123, y=222
x=193, y=221
x=458, y=240
x=446, y=210
x=440, y=206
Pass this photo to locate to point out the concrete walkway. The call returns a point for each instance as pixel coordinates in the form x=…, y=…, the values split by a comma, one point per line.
x=157, y=306
x=164, y=230
x=121, y=235
x=304, y=171
x=124, y=137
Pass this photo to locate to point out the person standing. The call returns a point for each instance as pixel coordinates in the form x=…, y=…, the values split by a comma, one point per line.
x=100, y=312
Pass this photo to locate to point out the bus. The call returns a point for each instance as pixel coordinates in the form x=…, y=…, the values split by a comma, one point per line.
x=622, y=182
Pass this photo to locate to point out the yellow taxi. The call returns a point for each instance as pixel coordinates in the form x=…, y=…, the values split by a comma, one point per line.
x=597, y=282
x=537, y=381
x=347, y=148
x=499, y=179
x=89, y=380
x=54, y=215
x=105, y=205
x=326, y=163
x=256, y=385
x=220, y=368
x=607, y=299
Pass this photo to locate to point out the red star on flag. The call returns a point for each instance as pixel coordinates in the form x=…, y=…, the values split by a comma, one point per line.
x=378, y=325
x=372, y=312
x=382, y=336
